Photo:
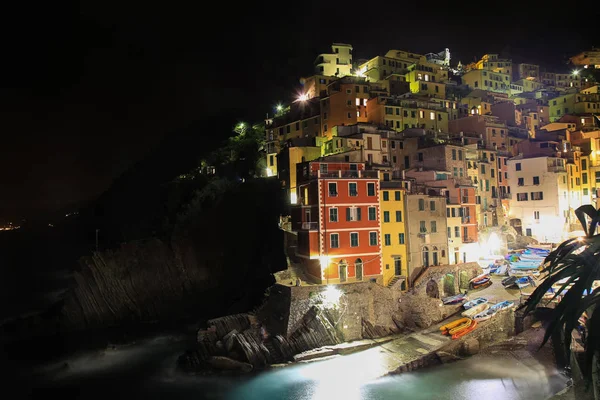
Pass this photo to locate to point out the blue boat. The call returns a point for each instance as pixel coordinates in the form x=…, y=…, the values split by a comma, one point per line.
x=475, y=302
x=459, y=298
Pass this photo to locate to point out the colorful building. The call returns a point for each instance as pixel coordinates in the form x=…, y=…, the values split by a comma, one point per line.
x=393, y=232
x=338, y=222
x=337, y=63
x=402, y=113
x=345, y=103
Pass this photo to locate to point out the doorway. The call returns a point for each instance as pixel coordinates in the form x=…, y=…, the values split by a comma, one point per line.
x=343, y=271
x=359, y=269
x=397, y=266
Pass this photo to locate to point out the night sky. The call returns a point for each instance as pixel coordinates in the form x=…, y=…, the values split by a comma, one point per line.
x=87, y=89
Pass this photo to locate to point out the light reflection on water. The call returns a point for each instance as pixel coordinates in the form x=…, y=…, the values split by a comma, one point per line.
x=147, y=370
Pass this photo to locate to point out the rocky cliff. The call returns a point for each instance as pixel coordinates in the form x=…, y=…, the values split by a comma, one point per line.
x=220, y=263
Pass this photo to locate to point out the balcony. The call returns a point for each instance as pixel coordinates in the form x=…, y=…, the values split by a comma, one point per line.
x=506, y=195
x=345, y=174
x=468, y=240
x=557, y=168
x=310, y=226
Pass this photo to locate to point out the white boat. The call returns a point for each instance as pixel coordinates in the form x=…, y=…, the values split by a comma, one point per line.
x=471, y=312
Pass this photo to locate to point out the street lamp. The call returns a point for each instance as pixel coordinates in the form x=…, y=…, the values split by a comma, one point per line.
x=575, y=72
x=279, y=108
x=302, y=97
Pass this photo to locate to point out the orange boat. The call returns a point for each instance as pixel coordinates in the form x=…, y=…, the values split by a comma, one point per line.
x=464, y=331
x=462, y=322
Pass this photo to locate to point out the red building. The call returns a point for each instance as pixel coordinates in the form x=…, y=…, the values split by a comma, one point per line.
x=337, y=220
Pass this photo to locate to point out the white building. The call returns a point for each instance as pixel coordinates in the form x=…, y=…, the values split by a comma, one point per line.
x=338, y=63
x=540, y=200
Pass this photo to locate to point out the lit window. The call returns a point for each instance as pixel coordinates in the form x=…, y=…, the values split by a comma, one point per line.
x=432, y=115
x=357, y=101
x=426, y=78
x=421, y=114
x=358, y=113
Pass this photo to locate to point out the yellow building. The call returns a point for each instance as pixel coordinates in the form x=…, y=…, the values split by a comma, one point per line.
x=393, y=232
x=492, y=62
x=404, y=113
x=287, y=160
x=487, y=80
x=574, y=103
x=431, y=89
x=338, y=63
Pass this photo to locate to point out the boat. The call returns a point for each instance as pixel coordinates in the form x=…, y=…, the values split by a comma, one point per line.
x=474, y=302
x=463, y=325
x=463, y=332
x=510, y=281
x=499, y=270
x=493, y=310
x=459, y=298
x=471, y=312
x=482, y=284
x=452, y=325
x=480, y=277
x=524, y=282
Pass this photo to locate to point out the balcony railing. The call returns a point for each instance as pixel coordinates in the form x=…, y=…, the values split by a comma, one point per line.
x=345, y=174
x=466, y=220
x=467, y=239
x=310, y=226
x=506, y=195
x=556, y=168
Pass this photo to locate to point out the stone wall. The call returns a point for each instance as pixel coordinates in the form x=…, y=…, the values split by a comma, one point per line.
x=362, y=301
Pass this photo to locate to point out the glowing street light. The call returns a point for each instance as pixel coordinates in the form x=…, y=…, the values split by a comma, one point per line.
x=575, y=72
x=279, y=108
x=331, y=297
x=302, y=97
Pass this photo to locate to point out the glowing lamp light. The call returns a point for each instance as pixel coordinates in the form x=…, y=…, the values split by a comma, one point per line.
x=493, y=243
x=324, y=260
x=268, y=172
x=279, y=108
x=575, y=72
x=331, y=297
x=302, y=97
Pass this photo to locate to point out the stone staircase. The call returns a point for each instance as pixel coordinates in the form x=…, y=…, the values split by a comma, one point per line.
x=393, y=281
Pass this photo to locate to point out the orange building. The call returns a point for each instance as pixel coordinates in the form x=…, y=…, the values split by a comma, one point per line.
x=338, y=223
x=345, y=103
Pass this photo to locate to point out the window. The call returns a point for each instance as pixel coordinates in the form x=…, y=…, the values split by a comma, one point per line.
x=352, y=189
x=397, y=195
x=334, y=240
x=432, y=205
x=421, y=204
x=422, y=227
x=373, y=238
x=398, y=216
x=333, y=214
x=578, y=181
x=401, y=238
x=528, y=232
x=597, y=176
x=536, y=215
x=456, y=231
x=432, y=115
x=454, y=154
x=386, y=196
x=332, y=189
x=536, y=180
x=420, y=156
x=449, y=233
x=433, y=227
x=521, y=196
x=386, y=216
x=521, y=181
x=448, y=212
x=370, y=189
x=353, y=239
x=460, y=155
x=586, y=192
x=537, y=195
x=518, y=166
x=353, y=214
x=482, y=168
x=372, y=214
x=584, y=165
x=388, y=239
x=584, y=176
x=421, y=114
x=492, y=172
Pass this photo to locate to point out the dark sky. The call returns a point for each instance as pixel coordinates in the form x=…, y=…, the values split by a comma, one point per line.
x=88, y=88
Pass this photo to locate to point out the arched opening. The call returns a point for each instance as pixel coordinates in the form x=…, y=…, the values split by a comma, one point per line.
x=448, y=284
x=432, y=289
x=516, y=223
x=463, y=280
x=426, y=256
x=435, y=260
x=358, y=265
x=343, y=271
